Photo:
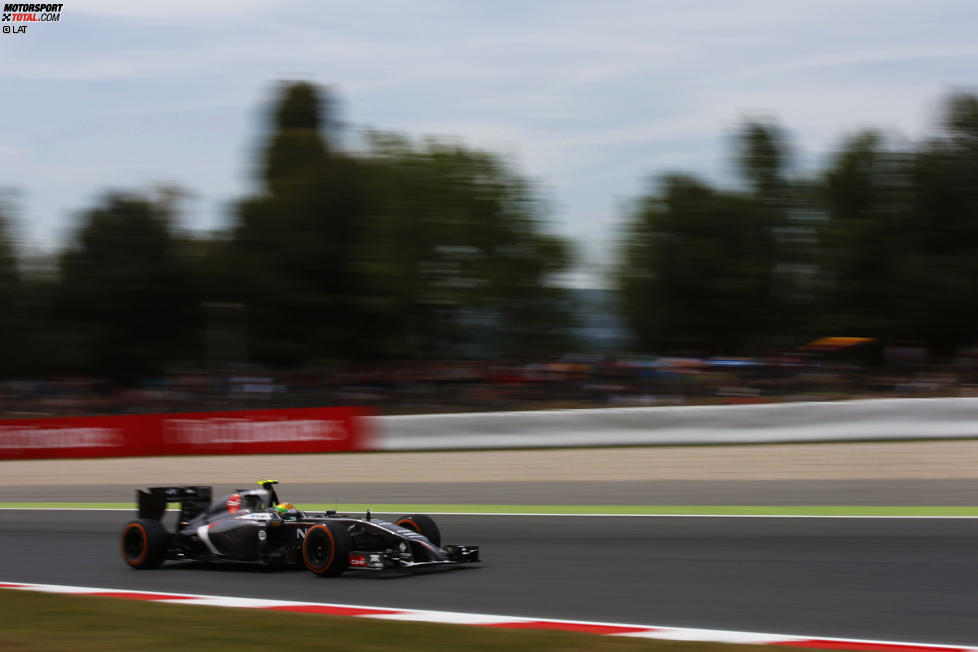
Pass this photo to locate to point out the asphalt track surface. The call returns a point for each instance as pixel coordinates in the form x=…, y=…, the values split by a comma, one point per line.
x=897, y=579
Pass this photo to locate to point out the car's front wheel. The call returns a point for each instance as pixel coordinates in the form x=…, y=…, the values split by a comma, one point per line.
x=423, y=525
x=326, y=549
x=143, y=543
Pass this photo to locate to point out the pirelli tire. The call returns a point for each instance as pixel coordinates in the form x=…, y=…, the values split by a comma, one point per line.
x=326, y=549
x=423, y=525
x=144, y=543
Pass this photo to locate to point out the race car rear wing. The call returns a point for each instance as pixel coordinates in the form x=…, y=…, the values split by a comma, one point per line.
x=193, y=500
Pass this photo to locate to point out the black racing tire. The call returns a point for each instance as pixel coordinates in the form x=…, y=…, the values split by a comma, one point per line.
x=326, y=549
x=143, y=543
x=423, y=525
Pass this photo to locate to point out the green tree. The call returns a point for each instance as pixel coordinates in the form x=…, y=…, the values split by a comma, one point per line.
x=291, y=246
x=456, y=258
x=402, y=251
x=125, y=297
x=709, y=270
x=762, y=159
x=10, y=296
x=899, y=247
x=940, y=279
x=695, y=269
x=787, y=242
x=866, y=197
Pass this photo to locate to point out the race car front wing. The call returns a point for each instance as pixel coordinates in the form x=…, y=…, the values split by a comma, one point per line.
x=374, y=560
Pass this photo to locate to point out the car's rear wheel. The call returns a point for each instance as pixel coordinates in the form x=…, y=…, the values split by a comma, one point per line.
x=423, y=525
x=326, y=549
x=143, y=543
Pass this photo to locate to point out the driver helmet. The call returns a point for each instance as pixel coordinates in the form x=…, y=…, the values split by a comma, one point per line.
x=287, y=511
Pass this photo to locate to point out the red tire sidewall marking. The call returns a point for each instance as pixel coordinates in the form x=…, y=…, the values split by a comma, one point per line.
x=137, y=561
x=332, y=551
x=409, y=524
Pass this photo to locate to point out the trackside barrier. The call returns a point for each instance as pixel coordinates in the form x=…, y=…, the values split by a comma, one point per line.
x=305, y=430
x=776, y=422
x=342, y=429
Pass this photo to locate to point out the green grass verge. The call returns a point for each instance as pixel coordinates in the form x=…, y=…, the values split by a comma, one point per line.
x=38, y=621
x=624, y=510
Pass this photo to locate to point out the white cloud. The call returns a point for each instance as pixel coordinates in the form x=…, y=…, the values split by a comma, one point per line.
x=175, y=10
x=870, y=56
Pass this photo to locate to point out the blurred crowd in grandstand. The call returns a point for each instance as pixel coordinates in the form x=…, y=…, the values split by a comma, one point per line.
x=455, y=386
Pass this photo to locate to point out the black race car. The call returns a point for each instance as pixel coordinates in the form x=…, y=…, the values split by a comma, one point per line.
x=253, y=527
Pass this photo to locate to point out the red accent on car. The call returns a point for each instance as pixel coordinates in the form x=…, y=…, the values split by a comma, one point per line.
x=234, y=503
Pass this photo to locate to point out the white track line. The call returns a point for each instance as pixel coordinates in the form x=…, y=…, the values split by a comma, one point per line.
x=506, y=622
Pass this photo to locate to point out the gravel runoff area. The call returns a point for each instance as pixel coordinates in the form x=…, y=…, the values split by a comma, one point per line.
x=913, y=460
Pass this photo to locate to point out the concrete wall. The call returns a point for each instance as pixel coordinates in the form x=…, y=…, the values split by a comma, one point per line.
x=777, y=422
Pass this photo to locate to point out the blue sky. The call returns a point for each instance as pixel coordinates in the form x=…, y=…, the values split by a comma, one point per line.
x=591, y=99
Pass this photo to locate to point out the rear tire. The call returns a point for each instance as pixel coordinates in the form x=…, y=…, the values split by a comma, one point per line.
x=326, y=549
x=143, y=543
x=423, y=525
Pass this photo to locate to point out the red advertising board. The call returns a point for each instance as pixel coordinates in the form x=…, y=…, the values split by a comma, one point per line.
x=303, y=430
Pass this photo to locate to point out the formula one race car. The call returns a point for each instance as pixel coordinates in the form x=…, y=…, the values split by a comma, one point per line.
x=253, y=527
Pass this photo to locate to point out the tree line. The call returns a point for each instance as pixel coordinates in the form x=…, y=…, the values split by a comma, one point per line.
x=880, y=243
x=399, y=249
